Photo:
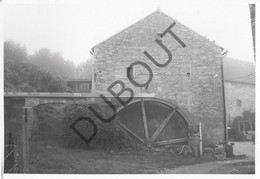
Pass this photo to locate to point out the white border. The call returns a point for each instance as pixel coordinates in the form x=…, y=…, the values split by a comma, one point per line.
x=70, y=176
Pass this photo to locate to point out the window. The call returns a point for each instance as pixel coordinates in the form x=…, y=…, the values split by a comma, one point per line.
x=239, y=102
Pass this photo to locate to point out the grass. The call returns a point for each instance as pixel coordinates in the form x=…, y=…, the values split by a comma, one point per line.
x=50, y=157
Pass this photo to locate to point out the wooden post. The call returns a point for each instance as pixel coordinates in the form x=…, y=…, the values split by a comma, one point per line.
x=24, y=140
x=200, y=139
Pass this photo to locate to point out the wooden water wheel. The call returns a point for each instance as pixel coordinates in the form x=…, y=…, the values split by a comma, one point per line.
x=155, y=122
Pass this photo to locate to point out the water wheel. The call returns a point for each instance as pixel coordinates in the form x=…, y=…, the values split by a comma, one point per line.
x=154, y=122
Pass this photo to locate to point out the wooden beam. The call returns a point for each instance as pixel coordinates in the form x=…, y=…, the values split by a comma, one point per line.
x=145, y=124
x=132, y=133
x=173, y=141
x=163, y=124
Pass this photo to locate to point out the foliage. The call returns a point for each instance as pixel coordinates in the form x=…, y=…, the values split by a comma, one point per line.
x=44, y=71
x=84, y=70
x=246, y=115
x=25, y=77
x=14, y=51
x=20, y=75
x=109, y=135
x=53, y=62
x=49, y=120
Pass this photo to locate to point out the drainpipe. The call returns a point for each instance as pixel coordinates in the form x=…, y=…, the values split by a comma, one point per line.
x=224, y=101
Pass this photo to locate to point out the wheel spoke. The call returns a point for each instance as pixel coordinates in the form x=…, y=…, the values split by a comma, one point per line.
x=145, y=123
x=163, y=124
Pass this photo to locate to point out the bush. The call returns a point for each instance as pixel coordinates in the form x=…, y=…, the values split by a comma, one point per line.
x=109, y=135
x=49, y=120
x=25, y=77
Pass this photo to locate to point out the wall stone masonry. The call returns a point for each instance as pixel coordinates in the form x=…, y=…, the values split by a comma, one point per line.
x=189, y=79
x=235, y=91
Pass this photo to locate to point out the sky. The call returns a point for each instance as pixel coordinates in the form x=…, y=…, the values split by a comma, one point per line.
x=74, y=27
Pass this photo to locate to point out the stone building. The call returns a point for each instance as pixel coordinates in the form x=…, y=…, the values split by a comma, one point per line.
x=192, y=79
x=239, y=88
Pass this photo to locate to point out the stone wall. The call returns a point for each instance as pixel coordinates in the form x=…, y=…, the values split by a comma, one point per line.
x=193, y=78
x=235, y=91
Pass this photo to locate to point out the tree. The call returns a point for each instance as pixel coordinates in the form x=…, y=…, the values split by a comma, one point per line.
x=42, y=58
x=14, y=51
x=68, y=68
x=52, y=62
x=84, y=70
x=20, y=75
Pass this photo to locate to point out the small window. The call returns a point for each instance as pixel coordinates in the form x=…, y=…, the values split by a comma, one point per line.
x=239, y=102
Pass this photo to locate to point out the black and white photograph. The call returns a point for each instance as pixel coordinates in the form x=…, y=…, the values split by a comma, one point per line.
x=128, y=87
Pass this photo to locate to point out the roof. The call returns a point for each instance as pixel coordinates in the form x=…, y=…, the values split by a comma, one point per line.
x=238, y=71
x=147, y=18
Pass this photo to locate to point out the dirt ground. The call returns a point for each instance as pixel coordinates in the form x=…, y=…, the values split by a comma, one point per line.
x=240, y=166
